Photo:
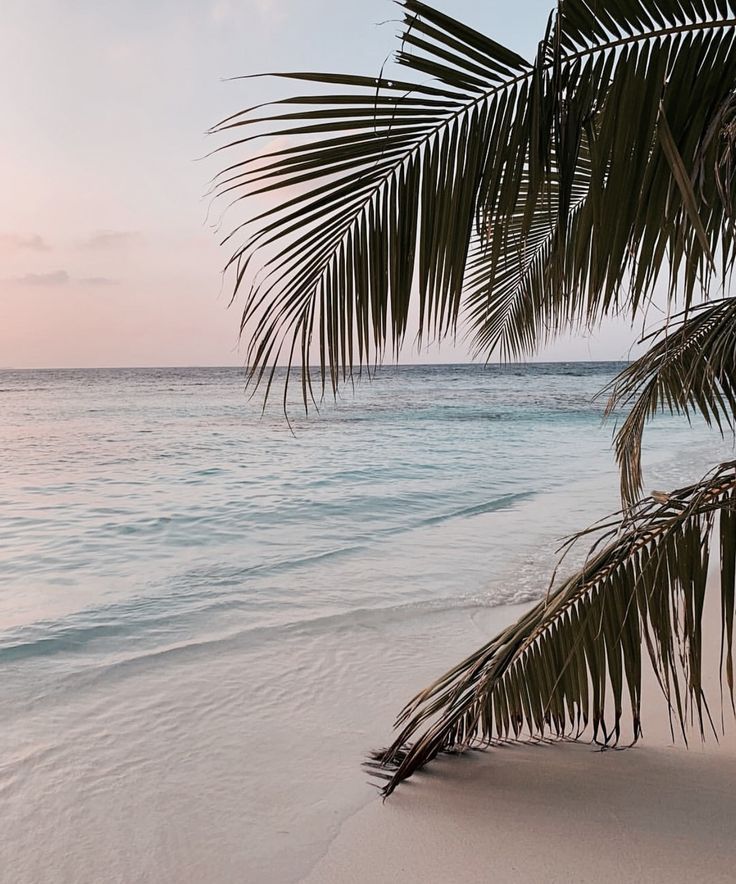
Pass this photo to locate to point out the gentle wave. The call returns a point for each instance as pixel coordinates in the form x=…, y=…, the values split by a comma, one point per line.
x=131, y=617
x=490, y=506
x=354, y=618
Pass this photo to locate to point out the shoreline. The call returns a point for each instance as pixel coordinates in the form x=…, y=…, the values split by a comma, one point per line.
x=656, y=812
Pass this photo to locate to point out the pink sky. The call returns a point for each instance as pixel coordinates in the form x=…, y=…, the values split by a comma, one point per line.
x=106, y=257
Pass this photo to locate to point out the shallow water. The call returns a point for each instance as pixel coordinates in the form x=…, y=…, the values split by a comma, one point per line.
x=206, y=619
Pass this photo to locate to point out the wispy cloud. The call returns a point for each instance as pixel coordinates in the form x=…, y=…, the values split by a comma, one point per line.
x=58, y=278
x=51, y=279
x=98, y=281
x=13, y=242
x=112, y=239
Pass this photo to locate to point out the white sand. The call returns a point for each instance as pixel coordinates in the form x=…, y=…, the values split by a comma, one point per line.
x=565, y=812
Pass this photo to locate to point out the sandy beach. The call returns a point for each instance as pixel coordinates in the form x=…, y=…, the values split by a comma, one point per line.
x=659, y=812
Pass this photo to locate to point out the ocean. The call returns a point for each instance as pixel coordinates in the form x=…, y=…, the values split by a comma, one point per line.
x=208, y=616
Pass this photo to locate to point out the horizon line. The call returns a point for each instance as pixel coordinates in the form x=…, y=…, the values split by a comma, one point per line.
x=380, y=366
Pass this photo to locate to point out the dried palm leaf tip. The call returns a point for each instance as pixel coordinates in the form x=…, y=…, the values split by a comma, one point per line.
x=555, y=671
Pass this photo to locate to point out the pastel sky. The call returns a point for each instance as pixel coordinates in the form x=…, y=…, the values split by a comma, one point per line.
x=106, y=255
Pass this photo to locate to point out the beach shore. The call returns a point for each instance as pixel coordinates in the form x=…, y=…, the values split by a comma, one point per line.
x=660, y=812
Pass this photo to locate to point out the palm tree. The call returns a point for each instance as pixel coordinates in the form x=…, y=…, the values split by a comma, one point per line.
x=523, y=198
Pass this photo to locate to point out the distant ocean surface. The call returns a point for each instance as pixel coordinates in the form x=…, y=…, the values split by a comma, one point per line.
x=206, y=620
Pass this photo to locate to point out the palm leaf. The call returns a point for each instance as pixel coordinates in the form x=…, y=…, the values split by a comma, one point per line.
x=616, y=204
x=509, y=296
x=391, y=158
x=691, y=369
x=578, y=653
x=504, y=188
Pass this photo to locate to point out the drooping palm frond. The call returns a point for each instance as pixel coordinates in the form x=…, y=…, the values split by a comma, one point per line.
x=554, y=671
x=530, y=195
x=691, y=369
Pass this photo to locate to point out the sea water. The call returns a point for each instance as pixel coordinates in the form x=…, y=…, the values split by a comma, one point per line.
x=208, y=615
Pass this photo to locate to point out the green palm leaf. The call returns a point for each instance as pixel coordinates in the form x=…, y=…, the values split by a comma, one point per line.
x=615, y=202
x=510, y=298
x=505, y=189
x=392, y=159
x=691, y=369
x=579, y=651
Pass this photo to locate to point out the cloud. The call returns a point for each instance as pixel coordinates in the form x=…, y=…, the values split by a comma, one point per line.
x=13, y=242
x=98, y=281
x=112, y=239
x=54, y=278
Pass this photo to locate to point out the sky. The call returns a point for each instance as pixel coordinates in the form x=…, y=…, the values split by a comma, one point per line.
x=107, y=254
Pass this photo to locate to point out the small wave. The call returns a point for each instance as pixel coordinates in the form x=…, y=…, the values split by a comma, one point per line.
x=160, y=612
x=358, y=618
x=68, y=639
x=490, y=506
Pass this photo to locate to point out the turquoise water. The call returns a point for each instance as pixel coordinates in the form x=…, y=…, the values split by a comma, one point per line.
x=205, y=619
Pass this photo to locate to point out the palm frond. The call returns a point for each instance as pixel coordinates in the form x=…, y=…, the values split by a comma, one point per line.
x=533, y=195
x=691, y=369
x=626, y=178
x=510, y=301
x=385, y=190
x=578, y=652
